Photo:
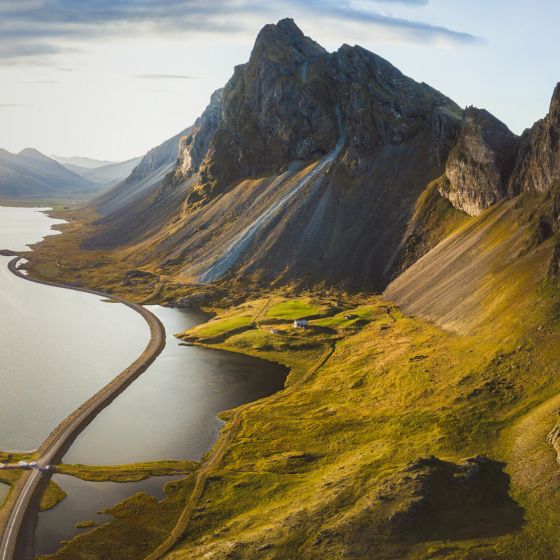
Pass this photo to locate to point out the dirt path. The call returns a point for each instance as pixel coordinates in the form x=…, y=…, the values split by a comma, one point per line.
x=218, y=453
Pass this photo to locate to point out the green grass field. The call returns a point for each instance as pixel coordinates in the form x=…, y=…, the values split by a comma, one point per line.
x=291, y=310
x=126, y=473
x=219, y=327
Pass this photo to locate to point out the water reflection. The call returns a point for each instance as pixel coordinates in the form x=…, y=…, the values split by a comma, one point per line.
x=170, y=411
x=84, y=501
x=57, y=347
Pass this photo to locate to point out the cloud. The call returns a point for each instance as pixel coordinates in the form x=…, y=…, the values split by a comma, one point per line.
x=11, y=105
x=166, y=77
x=413, y=2
x=395, y=28
x=35, y=30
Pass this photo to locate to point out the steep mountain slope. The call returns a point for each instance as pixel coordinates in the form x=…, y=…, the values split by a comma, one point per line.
x=510, y=250
x=127, y=210
x=457, y=282
x=31, y=174
x=302, y=154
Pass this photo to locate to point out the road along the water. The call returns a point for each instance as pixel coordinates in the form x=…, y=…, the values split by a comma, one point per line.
x=26, y=490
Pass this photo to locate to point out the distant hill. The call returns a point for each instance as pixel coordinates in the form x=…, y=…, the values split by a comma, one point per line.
x=106, y=175
x=132, y=200
x=81, y=162
x=32, y=175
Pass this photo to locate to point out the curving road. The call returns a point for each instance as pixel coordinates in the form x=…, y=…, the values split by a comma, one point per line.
x=63, y=435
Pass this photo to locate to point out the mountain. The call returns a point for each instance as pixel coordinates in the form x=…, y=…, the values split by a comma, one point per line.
x=81, y=162
x=421, y=244
x=302, y=154
x=32, y=175
x=126, y=209
x=107, y=174
x=305, y=153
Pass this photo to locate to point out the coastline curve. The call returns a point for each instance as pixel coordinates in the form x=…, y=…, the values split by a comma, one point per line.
x=27, y=489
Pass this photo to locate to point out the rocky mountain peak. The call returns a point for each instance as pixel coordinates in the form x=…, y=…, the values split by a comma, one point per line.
x=284, y=43
x=538, y=160
x=294, y=101
x=480, y=163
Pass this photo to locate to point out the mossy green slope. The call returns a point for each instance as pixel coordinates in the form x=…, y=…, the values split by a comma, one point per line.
x=387, y=433
x=332, y=470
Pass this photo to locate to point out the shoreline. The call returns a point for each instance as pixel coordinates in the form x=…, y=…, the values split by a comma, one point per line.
x=25, y=491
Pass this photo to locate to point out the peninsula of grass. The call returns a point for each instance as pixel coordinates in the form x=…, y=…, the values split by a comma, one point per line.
x=127, y=473
x=52, y=496
x=86, y=524
x=219, y=327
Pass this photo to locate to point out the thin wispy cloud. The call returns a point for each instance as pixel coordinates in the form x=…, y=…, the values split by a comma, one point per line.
x=35, y=29
x=166, y=77
x=402, y=28
x=412, y=2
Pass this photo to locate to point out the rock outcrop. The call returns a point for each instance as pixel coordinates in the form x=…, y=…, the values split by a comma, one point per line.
x=538, y=160
x=293, y=101
x=320, y=167
x=480, y=162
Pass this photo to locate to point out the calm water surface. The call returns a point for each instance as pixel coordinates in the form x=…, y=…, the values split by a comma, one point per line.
x=57, y=347
x=85, y=501
x=170, y=411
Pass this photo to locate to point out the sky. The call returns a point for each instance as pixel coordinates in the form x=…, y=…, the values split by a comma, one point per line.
x=110, y=79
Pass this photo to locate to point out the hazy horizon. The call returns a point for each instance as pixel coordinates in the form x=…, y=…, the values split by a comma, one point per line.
x=111, y=80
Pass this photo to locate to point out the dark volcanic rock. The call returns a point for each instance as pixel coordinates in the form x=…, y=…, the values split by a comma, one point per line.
x=294, y=101
x=480, y=162
x=538, y=160
x=313, y=167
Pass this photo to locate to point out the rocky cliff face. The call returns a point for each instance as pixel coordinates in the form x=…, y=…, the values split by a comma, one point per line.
x=480, y=162
x=538, y=160
x=323, y=167
x=294, y=101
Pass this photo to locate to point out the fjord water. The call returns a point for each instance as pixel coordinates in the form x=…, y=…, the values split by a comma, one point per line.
x=58, y=347
x=86, y=501
x=170, y=411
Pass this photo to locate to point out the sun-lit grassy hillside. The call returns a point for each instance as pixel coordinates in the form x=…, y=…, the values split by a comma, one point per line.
x=395, y=437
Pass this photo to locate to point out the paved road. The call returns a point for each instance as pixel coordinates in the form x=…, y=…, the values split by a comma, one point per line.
x=53, y=447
